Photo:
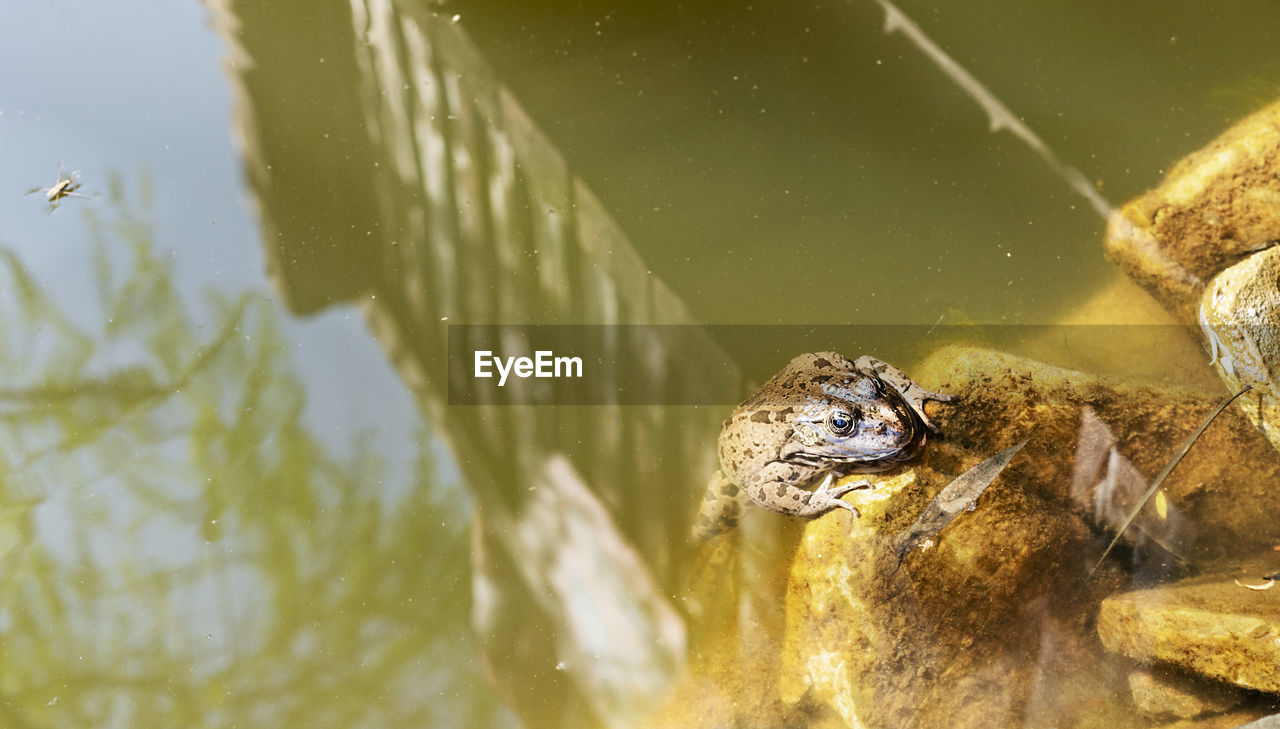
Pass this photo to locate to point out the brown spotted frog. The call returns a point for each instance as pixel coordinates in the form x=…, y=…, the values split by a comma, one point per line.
x=822, y=416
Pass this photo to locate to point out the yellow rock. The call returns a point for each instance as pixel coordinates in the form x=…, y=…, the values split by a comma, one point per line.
x=1226, y=484
x=1217, y=205
x=992, y=625
x=944, y=640
x=1216, y=629
x=1121, y=330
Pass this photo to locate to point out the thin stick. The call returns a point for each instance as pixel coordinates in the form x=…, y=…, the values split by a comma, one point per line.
x=998, y=115
x=1155, y=485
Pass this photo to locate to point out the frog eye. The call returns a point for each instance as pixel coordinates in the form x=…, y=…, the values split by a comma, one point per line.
x=840, y=423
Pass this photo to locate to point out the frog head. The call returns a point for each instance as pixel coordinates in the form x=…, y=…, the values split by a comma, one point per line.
x=857, y=420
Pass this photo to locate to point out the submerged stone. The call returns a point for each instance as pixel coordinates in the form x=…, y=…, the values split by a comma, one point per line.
x=1122, y=331
x=987, y=627
x=991, y=622
x=1216, y=629
x=1203, y=243
x=1161, y=692
x=1237, y=719
x=1223, y=487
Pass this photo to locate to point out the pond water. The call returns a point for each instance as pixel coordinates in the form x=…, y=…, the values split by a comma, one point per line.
x=249, y=477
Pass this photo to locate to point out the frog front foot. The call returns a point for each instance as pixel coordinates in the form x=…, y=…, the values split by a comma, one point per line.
x=827, y=496
x=786, y=499
x=911, y=392
x=916, y=399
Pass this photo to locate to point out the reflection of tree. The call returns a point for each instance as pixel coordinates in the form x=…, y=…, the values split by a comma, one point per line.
x=176, y=549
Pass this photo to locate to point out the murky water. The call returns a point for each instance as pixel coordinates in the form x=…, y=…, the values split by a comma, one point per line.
x=241, y=485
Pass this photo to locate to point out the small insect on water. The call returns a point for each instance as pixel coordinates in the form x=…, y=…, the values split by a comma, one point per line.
x=66, y=186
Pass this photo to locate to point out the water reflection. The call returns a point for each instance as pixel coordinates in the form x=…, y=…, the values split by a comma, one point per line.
x=410, y=179
x=393, y=168
x=179, y=550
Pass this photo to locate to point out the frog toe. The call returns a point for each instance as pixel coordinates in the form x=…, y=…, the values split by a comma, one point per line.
x=837, y=491
x=827, y=496
x=850, y=507
x=919, y=397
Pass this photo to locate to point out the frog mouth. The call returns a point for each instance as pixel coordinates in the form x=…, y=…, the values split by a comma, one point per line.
x=863, y=463
x=877, y=464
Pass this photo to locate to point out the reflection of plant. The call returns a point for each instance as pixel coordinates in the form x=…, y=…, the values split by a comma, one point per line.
x=176, y=549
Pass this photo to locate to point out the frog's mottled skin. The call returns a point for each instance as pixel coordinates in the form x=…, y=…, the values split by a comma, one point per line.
x=823, y=415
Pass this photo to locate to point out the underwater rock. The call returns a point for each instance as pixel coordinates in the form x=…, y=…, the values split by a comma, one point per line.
x=987, y=627
x=990, y=623
x=1223, y=488
x=1216, y=629
x=979, y=631
x=1267, y=722
x=1239, y=719
x=1240, y=318
x=1161, y=692
x=1214, y=207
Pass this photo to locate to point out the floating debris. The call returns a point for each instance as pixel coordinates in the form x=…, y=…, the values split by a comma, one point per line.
x=1269, y=581
x=959, y=495
x=1107, y=486
x=999, y=116
x=1155, y=485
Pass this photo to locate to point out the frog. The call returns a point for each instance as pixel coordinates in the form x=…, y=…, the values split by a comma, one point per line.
x=821, y=417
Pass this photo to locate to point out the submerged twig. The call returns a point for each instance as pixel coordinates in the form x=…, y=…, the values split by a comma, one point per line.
x=999, y=115
x=1168, y=469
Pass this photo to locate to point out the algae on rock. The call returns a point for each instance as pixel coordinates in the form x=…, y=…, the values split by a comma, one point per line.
x=1203, y=243
x=991, y=626
x=1162, y=692
x=974, y=630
